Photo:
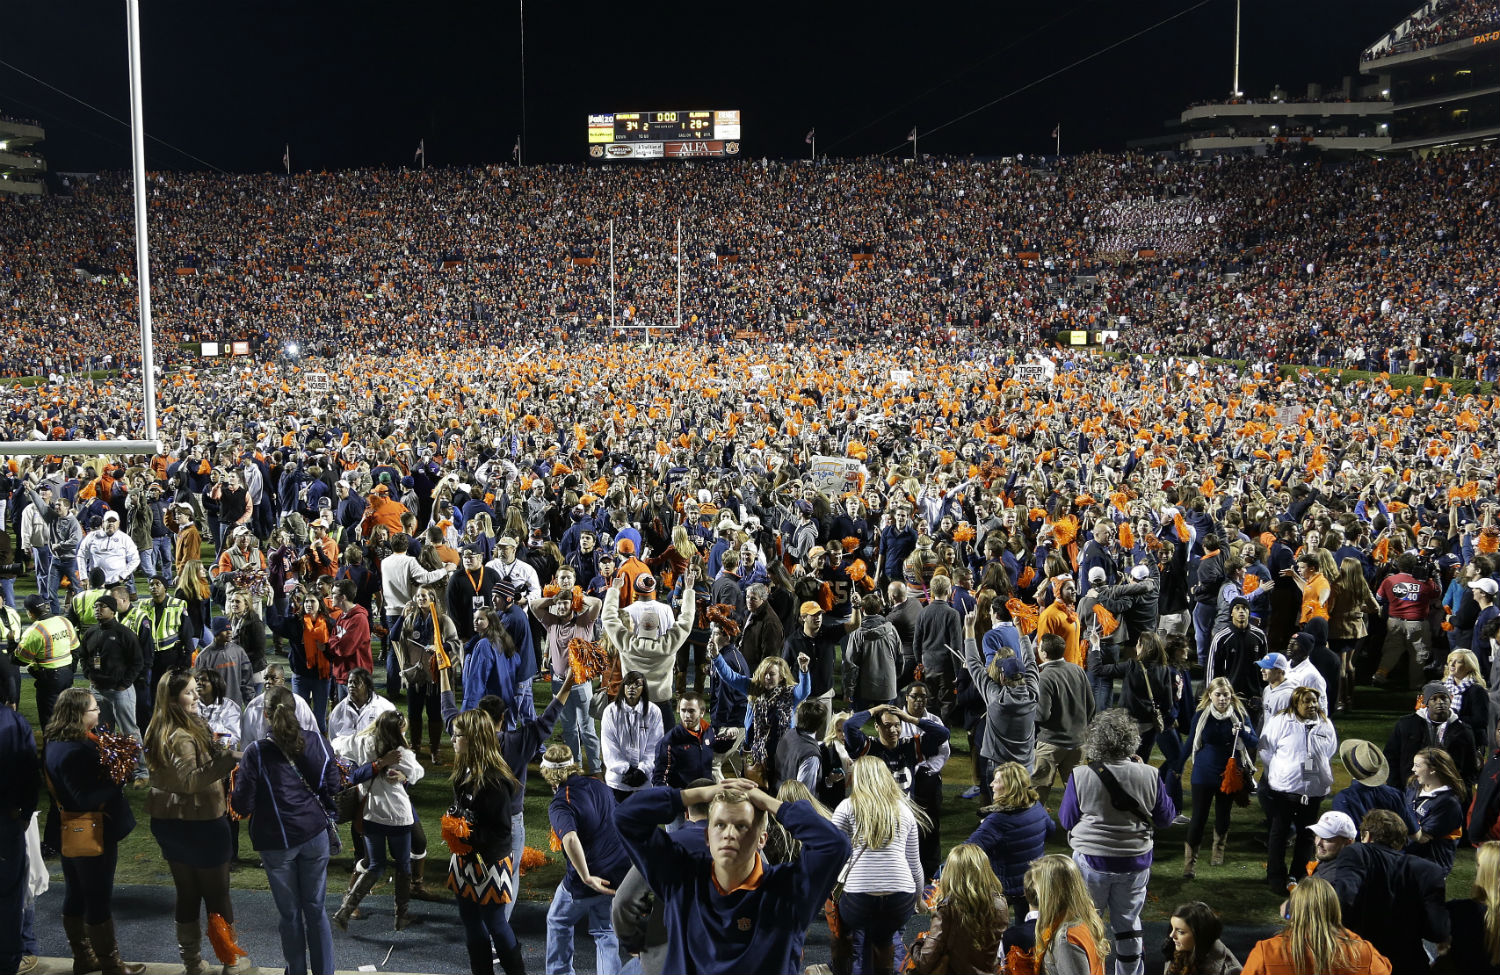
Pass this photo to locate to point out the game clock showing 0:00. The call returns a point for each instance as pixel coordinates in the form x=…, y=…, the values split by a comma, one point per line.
x=654, y=135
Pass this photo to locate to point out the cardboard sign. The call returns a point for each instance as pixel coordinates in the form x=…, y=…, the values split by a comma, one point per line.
x=834, y=476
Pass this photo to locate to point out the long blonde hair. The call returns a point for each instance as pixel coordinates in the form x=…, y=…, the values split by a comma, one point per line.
x=683, y=544
x=1016, y=790
x=877, y=804
x=970, y=890
x=1487, y=892
x=758, y=684
x=1062, y=899
x=1235, y=704
x=1315, y=937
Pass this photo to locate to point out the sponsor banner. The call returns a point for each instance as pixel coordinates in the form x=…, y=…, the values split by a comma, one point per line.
x=633, y=150
x=239, y=348
x=679, y=149
x=210, y=348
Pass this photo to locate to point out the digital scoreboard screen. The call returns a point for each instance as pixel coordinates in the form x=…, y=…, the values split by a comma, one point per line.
x=658, y=135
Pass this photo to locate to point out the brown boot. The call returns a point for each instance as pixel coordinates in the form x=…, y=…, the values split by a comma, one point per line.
x=102, y=937
x=190, y=947
x=1216, y=858
x=403, y=898
x=84, y=958
x=419, y=889
x=1189, y=861
x=356, y=893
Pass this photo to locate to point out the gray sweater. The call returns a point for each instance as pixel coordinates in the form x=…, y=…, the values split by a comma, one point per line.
x=1010, y=710
x=1065, y=704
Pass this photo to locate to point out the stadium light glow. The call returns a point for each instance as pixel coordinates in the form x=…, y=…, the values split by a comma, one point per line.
x=291, y=349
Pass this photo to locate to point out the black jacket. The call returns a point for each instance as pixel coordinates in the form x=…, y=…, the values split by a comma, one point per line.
x=111, y=656
x=81, y=784
x=1414, y=732
x=1391, y=900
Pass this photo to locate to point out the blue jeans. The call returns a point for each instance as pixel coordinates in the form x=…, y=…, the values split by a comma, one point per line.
x=117, y=711
x=1119, y=897
x=299, y=878
x=392, y=663
x=1172, y=750
x=8, y=590
x=578, y=727
x=315, y=691
x=62, y=568
x=1203, y=628
x=41, y=559
x=161, y=549
x=517, y=848
x=871, y=920
x=379, y=837
x=563, y=916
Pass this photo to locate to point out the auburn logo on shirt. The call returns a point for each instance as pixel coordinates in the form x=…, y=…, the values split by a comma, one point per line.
x=744, y=924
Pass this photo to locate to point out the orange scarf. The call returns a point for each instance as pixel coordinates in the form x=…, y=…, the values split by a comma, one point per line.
x=314, y=645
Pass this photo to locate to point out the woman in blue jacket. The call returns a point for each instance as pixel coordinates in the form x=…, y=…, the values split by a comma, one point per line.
x=1437, y=796
x=1015, y=832
x=1221, y=730
x=84, y=779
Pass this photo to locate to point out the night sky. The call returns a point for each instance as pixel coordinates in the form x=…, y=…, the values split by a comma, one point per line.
x=358, y=84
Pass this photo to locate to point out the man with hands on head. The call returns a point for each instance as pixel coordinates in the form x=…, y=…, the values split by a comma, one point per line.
x=727, y=910
x=901, y=755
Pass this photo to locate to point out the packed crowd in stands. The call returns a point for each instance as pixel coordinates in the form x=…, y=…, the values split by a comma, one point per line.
x=1453, y=20
x=1303, y=256
x=771, y=579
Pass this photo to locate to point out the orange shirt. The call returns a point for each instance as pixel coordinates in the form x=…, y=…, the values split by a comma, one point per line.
x=1061, y=619
x=1315, y=599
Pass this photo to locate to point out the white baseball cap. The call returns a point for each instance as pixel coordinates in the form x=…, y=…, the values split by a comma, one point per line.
x=1332, y=824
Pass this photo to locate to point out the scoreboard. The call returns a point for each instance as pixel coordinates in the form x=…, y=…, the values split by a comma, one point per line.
x=657, y=135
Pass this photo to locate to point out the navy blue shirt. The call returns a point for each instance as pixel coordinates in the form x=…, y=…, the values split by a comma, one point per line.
x=586, y=806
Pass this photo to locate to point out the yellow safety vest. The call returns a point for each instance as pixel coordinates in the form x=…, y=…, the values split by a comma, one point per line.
x=166, y=626
x=83, y=605
x=48, y=644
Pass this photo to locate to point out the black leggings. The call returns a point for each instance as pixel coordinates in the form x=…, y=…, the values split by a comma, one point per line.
x=201, y=887
x=90, y=885
x=1223, y=805
x=1290, y=818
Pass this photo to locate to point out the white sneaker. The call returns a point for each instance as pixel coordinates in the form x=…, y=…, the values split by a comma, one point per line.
x=1182, y=820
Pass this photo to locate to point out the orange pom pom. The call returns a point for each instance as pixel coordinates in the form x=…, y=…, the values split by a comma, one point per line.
x=456, y=832
x=221, y=936
x=964, y=532
x=1108, y=624
x=531, y=858
x=586, y=660
x=1024, y=614
x=851, y=544
x=722, y=614
x=857, y=571
x=1027, y=576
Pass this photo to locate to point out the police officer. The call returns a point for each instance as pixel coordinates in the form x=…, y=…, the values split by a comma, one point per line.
x=46, y=649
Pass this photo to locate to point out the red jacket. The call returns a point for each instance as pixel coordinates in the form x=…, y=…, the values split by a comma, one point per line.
x=349, y=644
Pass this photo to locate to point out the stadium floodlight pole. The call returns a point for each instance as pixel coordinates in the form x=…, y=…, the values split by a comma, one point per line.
x=142, y=239
x=1235, y=89
x=522, y=138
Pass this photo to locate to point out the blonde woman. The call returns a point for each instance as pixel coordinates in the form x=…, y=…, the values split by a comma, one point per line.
x=1221, y=730
x=1069, y=932
x=773, y=698
x=1315, y=941
x=781, y=846
x=1014, y=832
x=964, y=937
x=884, y=877
x=1471, y=701
x=1476, y=919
